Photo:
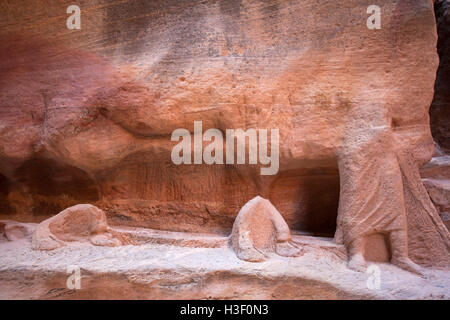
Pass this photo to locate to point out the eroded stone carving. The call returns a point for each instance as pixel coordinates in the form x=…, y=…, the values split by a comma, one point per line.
x=82, y=222
x=13, y=230
x=260, y=229
x=88, y=120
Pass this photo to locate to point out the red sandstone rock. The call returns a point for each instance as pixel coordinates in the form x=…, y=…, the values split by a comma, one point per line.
x=260, y=229
x=155, y=271
x=439, y=191
x=436, y=178
x=440, y=108
x=12, y=230
x=80, y=223
x=86, y=116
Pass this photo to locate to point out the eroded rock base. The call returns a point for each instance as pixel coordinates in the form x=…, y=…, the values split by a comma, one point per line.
x=171, y=265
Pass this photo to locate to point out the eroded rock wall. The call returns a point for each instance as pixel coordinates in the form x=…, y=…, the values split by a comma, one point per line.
x=86, y=115
x=436, y=173
x=440, y=108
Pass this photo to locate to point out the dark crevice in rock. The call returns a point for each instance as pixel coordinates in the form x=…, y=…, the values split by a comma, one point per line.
x=52, y=186
x=440, y=107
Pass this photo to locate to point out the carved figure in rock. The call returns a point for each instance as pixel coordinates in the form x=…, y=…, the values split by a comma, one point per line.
x=259, y=229
x=82, y=223
x=97, y=110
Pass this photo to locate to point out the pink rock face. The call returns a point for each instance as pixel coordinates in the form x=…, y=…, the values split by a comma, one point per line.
x=86, y=115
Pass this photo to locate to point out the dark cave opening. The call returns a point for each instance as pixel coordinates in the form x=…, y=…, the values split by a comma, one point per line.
x=308, y=200
x=5, y=187
x=53, y=186
x=439, y=113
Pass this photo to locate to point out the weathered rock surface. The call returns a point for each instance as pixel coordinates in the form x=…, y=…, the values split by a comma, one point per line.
x=162, y=271
x=436, y=173
x=440, y=108
x=13, y=230
x=439, y=191
x=438, y=168
x=86, y=116
x=259, y=230
x=80, y=223
x=436, y=178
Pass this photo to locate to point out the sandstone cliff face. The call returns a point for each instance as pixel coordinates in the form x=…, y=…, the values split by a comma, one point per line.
x=436, y=174
x=440, y=108
x=86, y=115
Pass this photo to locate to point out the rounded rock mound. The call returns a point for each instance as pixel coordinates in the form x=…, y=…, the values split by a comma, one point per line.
x=81, y=223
